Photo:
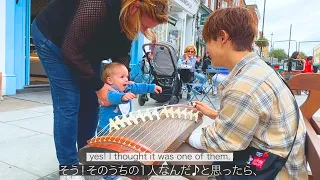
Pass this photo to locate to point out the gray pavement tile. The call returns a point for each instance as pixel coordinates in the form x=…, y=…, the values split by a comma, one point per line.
x=13, y=133
x=10, y=104
x=42, y=124
x=18, y=115
x=301, y=99
x=34, y=154
x=44, y=109
x=8, y=172
x=43, y=97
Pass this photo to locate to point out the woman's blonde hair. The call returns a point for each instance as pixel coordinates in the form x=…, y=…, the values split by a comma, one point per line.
x=191, y=46
x=131, y=23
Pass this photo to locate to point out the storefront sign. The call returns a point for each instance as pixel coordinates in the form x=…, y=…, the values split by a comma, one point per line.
x=203, y=19
x=190, y=5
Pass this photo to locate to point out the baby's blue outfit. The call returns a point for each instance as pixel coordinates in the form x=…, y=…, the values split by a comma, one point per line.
x=118, y=107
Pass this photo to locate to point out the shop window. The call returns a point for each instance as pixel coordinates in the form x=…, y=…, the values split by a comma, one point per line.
x=174, y=36
x=161, y=32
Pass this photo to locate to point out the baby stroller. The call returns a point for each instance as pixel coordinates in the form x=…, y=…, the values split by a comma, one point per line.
x=163, y=68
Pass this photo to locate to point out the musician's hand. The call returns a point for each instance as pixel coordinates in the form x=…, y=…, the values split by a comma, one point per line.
x=206, y=109
x=187, y=140
x=158, y=90
x=102, y=95
x=128, y=96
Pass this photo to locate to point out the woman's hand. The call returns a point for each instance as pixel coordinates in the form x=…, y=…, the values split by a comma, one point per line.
x=102, y=95
x=185, y=57
x=206, y=110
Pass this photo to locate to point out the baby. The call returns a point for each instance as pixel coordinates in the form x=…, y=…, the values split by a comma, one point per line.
x=116, y=75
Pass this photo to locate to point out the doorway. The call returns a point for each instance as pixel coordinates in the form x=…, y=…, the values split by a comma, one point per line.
x=37, y=73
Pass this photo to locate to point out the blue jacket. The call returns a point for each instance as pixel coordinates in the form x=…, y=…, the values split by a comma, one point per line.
x=107, y=112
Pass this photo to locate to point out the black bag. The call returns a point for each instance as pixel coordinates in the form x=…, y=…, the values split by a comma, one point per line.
x=268, y=165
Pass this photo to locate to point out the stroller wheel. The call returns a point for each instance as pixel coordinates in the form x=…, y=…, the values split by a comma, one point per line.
x=174, y=100
x=142, y=99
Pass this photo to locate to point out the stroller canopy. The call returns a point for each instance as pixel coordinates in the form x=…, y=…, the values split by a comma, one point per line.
x=164, y=63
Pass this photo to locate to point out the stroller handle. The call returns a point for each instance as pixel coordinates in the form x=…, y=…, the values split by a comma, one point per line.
x=158, y=44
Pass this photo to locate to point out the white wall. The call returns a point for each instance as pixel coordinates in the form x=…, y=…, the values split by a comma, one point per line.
x=190, y=31
x=2, y=35
x=182, y=24
x=3, y=42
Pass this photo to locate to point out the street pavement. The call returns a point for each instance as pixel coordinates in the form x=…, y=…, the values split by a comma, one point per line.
x=26, y=141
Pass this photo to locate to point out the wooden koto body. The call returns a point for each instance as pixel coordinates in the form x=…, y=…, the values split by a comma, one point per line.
x=157, y=130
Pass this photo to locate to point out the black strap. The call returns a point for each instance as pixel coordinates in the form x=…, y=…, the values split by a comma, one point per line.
x=297, y=113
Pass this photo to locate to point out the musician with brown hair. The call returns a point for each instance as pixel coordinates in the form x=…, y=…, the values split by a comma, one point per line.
x=257, y=109
x=116, y=75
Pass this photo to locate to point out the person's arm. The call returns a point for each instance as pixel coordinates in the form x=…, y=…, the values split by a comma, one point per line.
x=204, y=65
x=115, y=98
x=194, y=60
x=141, y=88
x=89, y=14
x=235, y=125
x=198, y=59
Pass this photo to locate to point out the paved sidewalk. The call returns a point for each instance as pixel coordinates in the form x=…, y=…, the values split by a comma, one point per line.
x=27, y=147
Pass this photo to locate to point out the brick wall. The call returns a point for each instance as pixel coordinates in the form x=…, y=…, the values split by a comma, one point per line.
x=233, y=3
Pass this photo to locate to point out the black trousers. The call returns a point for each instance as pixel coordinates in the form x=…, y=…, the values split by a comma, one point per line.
x=187, y=77
x=315, y=69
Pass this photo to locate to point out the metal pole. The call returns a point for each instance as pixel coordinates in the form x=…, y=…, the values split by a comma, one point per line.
x=198, y=35
x=271, y=49
x=305, y=42
x=289, y=41
x=264, y=11
x=285, y=41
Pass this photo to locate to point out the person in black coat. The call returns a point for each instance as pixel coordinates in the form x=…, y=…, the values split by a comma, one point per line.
x=72, y=37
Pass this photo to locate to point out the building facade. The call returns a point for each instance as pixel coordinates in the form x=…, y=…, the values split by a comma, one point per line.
x=205, y=9
x=254, y=9
x=316, y=54
x=21, y=67
x=229, y=3
x=13, y=45
x=181, y=29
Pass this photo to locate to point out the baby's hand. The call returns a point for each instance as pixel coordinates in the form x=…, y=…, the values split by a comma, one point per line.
x=128, y=96
x=158, y=89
